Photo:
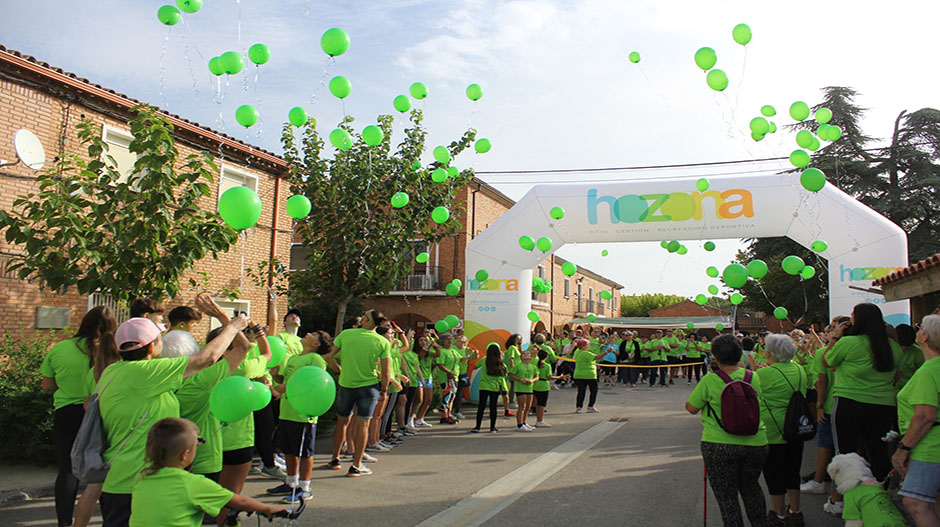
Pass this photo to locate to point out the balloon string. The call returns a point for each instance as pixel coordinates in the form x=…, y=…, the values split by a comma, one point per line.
x=293, y=490
x=307, y=11
x=473, y=111
x=189, y=61
x=166, y=39
x=653, y=89
x=322, y=84
x=260, y=132
x=238, y=5
x=195, y=46
x=737, y=94
x=244, y=248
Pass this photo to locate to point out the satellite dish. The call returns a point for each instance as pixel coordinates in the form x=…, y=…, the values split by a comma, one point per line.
x=29, y=149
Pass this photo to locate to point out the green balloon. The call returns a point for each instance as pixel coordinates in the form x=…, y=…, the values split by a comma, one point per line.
x=311, y=391
x=690, y=325
x=741, y=34
x=768, y=110
x=606, y=295
x=757, y=137
x=441, y=155
x=422, y=258
x=834, y=133
x=439, y=175
x=781, y=312
x=341, y=139
x=701, y=299
x=808, y=272
x=804, y=138
x=799, y=110
x=246, y=115
x=482, y=275
x=334, y=42
x=482, y=146
x=717, y=80
x=418, y=90
x=702, y=184
x=706, y=58
x=168, y=15
x=712, y=271
x=634, y=57
x=231, y=62
x=813, y=179
x=298, y=207
x=799, y=158
x=189, y=6
x=823, y=115
x=452, y=321
x=214, y=67
x=372, y=135
x=682, y=249
x=526, y=242
x=441, y=325
x=673, y=246
x=604, y=252
x=819, y=246
x=760, y=126
x=814, y=146
x=757, y=269
x=557, y=213
x=822, y=132
x=259, y=54
x=735, y=275
x=533, y=316
x=544, y=244
x=709, y=246
x=278, y=351
x=340, y=86
x=440, y=214
x=232, y=399
x=713, y=289
x=452, y=289
x=402, y=103
x=664, y=244
x=773, y=127
x=736, y=298
x=719, y=327
x=453, y=172
x=263, y=394
x=416, y=165
x=474, y=92
x=591, y=318
x=297, y=116
x=240, y=208
x=569, y=269
x=792, y=265
x=400, y=199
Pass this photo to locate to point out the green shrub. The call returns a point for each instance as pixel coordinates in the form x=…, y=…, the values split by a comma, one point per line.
x=25, y=410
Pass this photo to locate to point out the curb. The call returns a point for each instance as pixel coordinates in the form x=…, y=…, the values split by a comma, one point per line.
x=15, y=497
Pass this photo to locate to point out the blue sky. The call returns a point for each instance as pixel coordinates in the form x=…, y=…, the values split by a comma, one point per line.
x=558, y=89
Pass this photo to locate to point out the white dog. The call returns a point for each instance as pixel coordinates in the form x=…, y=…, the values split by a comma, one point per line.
x=866, y=502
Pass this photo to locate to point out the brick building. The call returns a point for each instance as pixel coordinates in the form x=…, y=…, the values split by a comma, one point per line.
x=50, y=102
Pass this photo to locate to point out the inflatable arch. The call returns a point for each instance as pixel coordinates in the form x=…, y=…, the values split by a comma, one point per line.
x=863, y=245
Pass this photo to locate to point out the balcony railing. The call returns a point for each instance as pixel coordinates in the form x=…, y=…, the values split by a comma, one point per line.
x=600, y=308
x=424, y=278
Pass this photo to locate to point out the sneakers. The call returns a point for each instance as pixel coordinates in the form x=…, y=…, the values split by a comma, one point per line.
x=577, y=410
x=475, y=430
x=592, y=410
x=774, y=521
x=459, y=415
x=273, y=472
x=796, y=518
x=377, y=447
x=422, y=423
x=524, y=428
x=834, y=509
x=334, y=465
x=508, y=413
x=355, y=472
x=279, y=462
x=294, y=499
x=366, y=458
x=542, y=424
x=408, y=431
x=284, y=489
x=494, y=430
x=813, y=487
x=448, y=421
x=345, y=455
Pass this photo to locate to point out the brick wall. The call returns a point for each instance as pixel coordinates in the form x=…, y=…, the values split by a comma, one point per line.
x=687, y=308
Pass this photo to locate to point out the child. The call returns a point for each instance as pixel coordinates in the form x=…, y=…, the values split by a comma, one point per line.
x=524, y=374
x=610, y=357
x=491, y=383
x=541, y=388
x=179, y=341
x=167, y=494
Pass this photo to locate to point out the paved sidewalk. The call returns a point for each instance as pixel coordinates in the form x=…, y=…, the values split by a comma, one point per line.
x=23, y=482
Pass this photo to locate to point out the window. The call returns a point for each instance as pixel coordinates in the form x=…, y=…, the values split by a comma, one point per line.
x=119, y=142
x=414, y=248
x=118, y=309
x=299, y=256
x=230, y=307
x=567, y=288
x=580, y=292
x=235, y=177
x=542, y=272
x=590, y=294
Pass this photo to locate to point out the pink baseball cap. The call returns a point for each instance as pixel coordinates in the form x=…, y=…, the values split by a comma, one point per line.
x=136, y=333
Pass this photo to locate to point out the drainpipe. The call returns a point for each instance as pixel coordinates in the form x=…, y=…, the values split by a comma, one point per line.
x=272, y=299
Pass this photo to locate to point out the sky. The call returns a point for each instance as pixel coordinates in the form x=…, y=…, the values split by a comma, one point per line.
x=559, y=92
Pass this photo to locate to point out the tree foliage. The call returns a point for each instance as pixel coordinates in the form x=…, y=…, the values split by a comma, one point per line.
x=87, y=228
x=356, y=240
x=641, y=305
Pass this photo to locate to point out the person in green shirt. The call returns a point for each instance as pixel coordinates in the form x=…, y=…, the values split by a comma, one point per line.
x=733, y=463
x=670, y=343
x=864, y=396
x=425, y=394
x=168, y=495
x=446, y=370
x=466, y=355
x=912, y=356
x=290, y=335
x=491, y=384
x=525, y=373
x=412, y=370
x=656, y=349
x=510, y=358
x=585, y=374
x=917, y=458
x=693, y=355
x=542, y=386
x=66, y=371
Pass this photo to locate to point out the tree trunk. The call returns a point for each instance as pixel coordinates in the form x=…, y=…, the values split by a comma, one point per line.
x=341, y=313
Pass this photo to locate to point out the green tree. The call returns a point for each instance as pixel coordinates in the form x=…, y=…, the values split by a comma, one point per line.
x=641, y=305
x=84, y=227
x=357, y=242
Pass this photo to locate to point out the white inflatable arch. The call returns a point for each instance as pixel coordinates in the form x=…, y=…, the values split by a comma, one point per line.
x=862, y=244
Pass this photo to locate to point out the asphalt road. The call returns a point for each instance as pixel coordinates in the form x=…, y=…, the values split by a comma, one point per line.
x=635, y=463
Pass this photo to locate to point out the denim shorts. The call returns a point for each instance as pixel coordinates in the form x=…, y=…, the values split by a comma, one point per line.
x=427, y=383
x=364, y=399
x=922, y=481
x=824, y=434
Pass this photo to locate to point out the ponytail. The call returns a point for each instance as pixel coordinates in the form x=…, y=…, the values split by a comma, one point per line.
x=106, y=354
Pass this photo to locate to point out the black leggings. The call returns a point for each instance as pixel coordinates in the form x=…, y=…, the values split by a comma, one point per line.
x=65, y=424
x=493, y=397
x=458, y=399
x=697, y=369
x=264, y=434
x=411, y=393
x=386, y=427
x=782, y=468
x=859, y=427
x=733, y=470
x=582, y=385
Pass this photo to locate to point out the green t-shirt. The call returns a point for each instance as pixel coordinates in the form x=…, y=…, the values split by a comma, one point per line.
x=241, y=434
x=426, y=363
x=465, y=355
x=293, y=343
x=193, y=397
x=668, y=342
x=912, y=357
x=708, y=390
x=295, y=363
x=491, y=383
x=450, y=359
x=511, y=357
x=584, y=365
x=656, y=354
x=874, y=504
x=819, y=369
x=69, y=364
x=644, y=349
x=360, y=350
x=775, y=395
x=923, y=388
x=856, y=377
x=548, y=349
x=692, y=351
x=411, y=365
x=543, y=384
x=525, y=371
x=394, y=369
x=134, y=396
x=176, y=498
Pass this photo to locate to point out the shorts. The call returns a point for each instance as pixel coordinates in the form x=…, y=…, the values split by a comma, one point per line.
x=464, y=378
x=427, y=384
x=115, y=508
x=364, y=399
x=672, y=360
x=824, y=434
x=541, y=399
x=239, y=456
x=297, y=439
x=922, y=481
x=811, y=395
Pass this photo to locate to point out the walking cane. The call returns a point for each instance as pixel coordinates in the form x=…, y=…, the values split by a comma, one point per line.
x=705, y=500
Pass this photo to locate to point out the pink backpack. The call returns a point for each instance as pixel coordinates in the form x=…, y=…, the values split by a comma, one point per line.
x=740, y=408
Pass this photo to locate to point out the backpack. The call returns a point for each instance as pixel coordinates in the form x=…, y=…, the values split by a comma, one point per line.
x=799, y=423
x=88, y=464
x=740, y=408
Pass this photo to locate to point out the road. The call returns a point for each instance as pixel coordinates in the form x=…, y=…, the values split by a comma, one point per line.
x=635, y=463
